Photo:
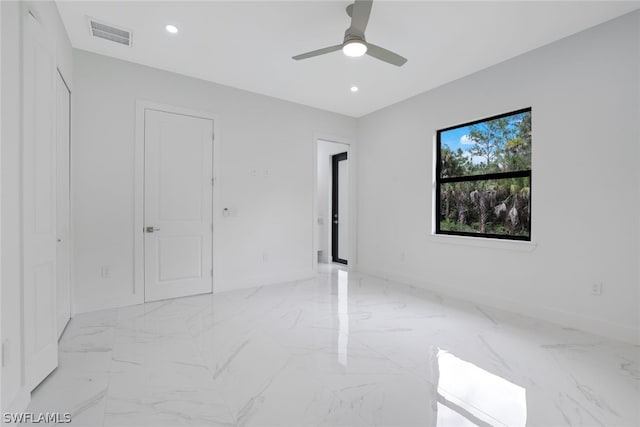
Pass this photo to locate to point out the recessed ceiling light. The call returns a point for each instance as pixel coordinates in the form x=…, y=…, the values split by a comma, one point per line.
x=354, y=89
x=171, y=28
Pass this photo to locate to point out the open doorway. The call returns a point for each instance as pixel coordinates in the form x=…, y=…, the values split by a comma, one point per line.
x=333, y=203
x=339, y=207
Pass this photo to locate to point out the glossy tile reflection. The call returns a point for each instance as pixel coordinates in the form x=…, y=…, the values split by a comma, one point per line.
x=471, y=392
x=342, y=349
x=343, y=316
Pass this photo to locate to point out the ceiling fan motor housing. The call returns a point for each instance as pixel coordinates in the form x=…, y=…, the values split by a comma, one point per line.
x=351, y=37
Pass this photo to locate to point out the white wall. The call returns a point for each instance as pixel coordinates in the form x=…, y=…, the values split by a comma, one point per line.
x=13, y=395
x=264, y=172
x=585, y=190
x=326, y=149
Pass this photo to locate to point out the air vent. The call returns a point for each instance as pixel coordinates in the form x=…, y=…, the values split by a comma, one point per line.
x=109, y=32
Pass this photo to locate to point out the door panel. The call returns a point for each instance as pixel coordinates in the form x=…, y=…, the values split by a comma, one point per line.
x=339, y=205
x=179, y=257
x=63, y=291
x=39, y=204
x=178, y=205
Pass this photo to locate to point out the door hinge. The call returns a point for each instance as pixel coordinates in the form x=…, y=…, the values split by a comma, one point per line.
x=211, y=272
x=213, y=137
x=213, y=181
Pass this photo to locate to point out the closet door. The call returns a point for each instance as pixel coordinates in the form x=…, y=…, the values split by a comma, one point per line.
x=39, y=204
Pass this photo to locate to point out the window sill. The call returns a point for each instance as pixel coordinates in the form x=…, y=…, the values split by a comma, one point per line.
x=483, y=242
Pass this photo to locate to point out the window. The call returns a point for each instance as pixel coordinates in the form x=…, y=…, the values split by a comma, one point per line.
x=483, y=178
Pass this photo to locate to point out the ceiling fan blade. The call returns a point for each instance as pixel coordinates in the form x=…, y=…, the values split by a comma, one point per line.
x=360, y=16
x=317, y=52
x=385, y=55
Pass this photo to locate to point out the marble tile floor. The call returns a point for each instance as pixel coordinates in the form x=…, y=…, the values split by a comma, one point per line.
x=343, y=349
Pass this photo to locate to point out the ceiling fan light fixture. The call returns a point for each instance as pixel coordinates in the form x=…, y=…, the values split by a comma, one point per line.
x=354, y=48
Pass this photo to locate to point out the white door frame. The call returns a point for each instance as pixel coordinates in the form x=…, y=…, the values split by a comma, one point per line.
x=68, y=201
x=352, y=206
x=138, y=223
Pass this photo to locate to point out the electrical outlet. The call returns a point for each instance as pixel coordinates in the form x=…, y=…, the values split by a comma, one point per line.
x=265, y=256
x=105, y=272
x=596, y=289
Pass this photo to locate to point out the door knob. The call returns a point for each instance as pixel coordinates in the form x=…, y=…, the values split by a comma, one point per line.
x=151, y=229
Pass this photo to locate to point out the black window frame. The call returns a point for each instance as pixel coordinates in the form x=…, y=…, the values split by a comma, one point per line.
x=481, y=177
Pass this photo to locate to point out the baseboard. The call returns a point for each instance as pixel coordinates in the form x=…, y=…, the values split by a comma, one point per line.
x=219, y=285
x=106, y=304
x=567, y=319
x=20, y=401
x=225, y=285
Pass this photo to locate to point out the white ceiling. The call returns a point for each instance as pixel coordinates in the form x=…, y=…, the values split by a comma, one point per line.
x=249, y=45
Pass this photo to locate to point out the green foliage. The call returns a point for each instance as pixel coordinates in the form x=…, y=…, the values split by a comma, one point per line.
x=490, y=139
x=453, y=163
x=498, y=206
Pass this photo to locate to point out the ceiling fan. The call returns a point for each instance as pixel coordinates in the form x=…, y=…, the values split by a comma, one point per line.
x=354, y=43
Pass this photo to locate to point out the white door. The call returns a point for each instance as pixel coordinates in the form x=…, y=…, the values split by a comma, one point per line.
x=177, y=205
x=39, y=204
x=63, y=290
